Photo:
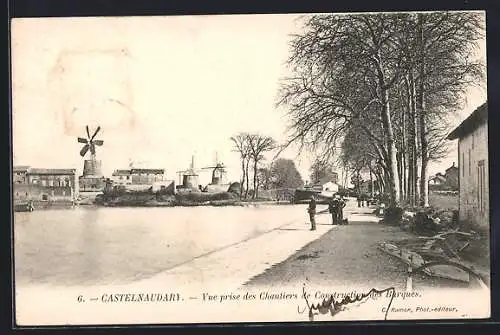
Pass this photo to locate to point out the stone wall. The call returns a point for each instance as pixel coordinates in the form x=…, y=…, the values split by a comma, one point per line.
x=42, y=193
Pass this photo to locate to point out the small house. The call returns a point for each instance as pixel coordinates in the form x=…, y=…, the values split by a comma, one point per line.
x=437, y=180
x=473, y=174
x=451, y=175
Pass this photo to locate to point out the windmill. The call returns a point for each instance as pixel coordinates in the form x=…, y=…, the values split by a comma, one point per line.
x=91, y=167
x=189, y=177
x=218, y=172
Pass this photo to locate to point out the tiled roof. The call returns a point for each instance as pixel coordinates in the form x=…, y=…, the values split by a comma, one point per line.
x=479, y=116
x=52, y=171
x=20, y=168
x=121, y=173
x=152, y=171
x=438, y=177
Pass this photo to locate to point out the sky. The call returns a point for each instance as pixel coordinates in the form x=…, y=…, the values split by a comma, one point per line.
x=162, y=89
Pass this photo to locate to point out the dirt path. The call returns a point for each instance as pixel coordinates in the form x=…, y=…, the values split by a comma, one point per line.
x=347, y=256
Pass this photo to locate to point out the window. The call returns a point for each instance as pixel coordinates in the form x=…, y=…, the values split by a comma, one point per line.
x=469, y=162
x=481, y=186
x=463, y=164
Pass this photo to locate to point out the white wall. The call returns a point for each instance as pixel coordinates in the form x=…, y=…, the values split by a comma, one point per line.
x=474, y=198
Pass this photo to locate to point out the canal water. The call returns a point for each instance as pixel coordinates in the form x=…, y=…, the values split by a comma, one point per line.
x=99, y=245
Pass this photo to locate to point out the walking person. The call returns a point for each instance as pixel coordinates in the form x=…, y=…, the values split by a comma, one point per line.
x=312, y=212
x=360, y=199
x=333, y=207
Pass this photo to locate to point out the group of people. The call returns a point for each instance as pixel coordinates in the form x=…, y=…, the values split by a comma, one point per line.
x=335, y=208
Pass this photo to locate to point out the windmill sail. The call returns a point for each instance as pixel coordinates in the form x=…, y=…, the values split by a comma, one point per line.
x=96, y=131
x=90, y=143
x=84, y=150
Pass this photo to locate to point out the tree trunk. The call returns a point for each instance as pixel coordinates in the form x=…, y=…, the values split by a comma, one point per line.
x=412, y=145
x=246, y=178
x=411, y=142
x=371, y=184
x=424, y=191
x=391, y=148
x=403, y=158
x=255, y=186
x=242, y=184
x=399, y=159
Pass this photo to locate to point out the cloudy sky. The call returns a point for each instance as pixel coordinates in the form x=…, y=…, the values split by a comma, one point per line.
x=162, y=89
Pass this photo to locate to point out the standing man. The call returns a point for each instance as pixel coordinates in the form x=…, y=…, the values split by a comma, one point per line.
x=341, y=205
x=312, y=212
x=333, y=207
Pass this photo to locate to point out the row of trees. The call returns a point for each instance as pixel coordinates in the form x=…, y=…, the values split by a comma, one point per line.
x=280, y=173
x=384, y=86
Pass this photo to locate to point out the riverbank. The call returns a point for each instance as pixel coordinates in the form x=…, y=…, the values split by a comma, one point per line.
x=349, y=256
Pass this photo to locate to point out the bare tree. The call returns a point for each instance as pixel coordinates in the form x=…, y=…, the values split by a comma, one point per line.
x=346, y=66
x=258, y=145
x=394, y=77
x=242, y=146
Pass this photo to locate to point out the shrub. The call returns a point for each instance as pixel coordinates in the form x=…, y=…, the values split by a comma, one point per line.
x=393, y=215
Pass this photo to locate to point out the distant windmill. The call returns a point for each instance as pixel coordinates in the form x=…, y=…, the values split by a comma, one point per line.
x=91, y=167
x=218, y=171
x=189, y=177
x=90, y=143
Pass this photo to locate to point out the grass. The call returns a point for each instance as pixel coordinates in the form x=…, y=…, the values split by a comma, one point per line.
x=443, y=201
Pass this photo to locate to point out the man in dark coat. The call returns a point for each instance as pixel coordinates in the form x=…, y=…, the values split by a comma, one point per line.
x=312, y=212
x=341, y=205
x=333, y=208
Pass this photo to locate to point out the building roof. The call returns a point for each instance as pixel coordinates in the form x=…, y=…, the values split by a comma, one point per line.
x=121, y=173
x=438, y=177
x=150, y=171
x=52, y=171
x=20, y=168
x=453, y=167
x=479, y=116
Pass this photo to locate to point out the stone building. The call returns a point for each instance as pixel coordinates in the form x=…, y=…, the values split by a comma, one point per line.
x=44, y=184
x=20, y=174
x=137, y=176
x=121, y=177
x=473, y=174
x=451, y=175
x=146, y=176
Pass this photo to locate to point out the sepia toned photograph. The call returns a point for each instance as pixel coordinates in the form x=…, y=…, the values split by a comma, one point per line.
x=250, y=168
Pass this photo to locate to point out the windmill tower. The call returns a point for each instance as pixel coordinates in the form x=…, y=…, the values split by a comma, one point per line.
x=92, y=178
x=189, y=178
x=218, y=172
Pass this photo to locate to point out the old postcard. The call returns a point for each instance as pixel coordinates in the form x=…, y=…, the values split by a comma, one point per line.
x=250, y=168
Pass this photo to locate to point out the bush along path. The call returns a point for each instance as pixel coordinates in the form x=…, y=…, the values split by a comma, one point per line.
x=459, y=251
